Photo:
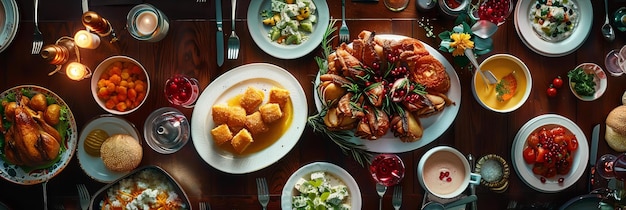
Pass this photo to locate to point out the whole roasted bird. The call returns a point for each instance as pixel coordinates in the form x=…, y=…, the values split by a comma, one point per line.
x=30, y=141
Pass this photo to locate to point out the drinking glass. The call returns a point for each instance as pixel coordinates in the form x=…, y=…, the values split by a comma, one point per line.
x=495, y=11
x=610, y=166
x=387, y=169
x=182, y=90
x=396, y=5
x=166, y=130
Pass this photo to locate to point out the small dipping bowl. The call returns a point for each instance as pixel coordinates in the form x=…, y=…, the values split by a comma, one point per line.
x=494, y=171
x=599, y=79
x=501, y=65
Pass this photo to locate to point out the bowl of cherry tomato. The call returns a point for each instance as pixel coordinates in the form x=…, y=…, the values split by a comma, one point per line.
x=120, y=85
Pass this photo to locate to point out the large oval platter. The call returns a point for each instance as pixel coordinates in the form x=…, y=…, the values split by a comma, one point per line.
x=524, y=170
x=434, y=126
x=232, y=83
x=19, y=175
x=329, y=169
x=259, y=31
x=553, y=49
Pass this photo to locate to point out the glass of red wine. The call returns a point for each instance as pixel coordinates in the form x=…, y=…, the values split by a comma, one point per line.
x=387, y=169
x=182, y=90
x=610, y=166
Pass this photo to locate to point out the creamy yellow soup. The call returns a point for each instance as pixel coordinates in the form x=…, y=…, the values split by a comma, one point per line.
x=500, y=68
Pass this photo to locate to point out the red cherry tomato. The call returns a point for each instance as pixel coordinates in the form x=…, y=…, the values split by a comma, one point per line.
x=529, y=155
x=572, y=145
x=551, y=91
x=557, y=82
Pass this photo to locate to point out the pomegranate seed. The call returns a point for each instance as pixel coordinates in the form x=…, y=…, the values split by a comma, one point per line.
x=449, y=179
x=561, y=180
x=543, y=180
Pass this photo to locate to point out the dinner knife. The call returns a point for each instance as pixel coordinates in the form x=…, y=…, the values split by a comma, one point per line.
x=472, y=163
x=595, y=137
x=220, y=34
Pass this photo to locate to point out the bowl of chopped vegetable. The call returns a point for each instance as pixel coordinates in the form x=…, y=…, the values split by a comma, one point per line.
x=587, y=81
x=120, y=85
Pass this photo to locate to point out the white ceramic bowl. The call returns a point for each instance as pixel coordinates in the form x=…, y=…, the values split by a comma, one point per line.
x=101, y=68
x=599, y=79
x=501, y=65
x=435, y=156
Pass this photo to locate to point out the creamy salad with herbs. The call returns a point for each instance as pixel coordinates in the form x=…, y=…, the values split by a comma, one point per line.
x=554, y=20
x=291, y=21
x=321, y=191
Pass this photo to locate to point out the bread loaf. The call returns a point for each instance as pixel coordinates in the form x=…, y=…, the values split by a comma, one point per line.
x=615, y=134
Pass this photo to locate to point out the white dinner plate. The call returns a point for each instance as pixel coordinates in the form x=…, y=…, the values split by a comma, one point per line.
x=92, y=165
x=553, y=49
x=434, y=126
x=260, y=31
x=232, y=83
x=9, y=21
x=328, y=168
x=524, y=170
x=19, y=175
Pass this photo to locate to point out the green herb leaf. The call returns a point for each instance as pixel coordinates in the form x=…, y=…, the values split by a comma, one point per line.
x=582, y=81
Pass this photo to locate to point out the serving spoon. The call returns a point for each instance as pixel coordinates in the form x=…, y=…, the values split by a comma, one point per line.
x=487, y=75
x=607, y=29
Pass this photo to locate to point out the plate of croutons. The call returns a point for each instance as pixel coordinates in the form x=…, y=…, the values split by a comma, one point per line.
x=249, y=118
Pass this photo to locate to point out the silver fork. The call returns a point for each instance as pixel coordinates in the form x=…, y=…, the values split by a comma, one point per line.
x=83, y=196
x=381, y=189
x=264, y=196
x=37, y=37
x=201, y=1
x=204, y=206
x=397, y=197
x=344, y=34
x=233, y=40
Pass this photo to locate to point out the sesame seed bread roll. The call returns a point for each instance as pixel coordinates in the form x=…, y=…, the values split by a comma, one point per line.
x=121, y=152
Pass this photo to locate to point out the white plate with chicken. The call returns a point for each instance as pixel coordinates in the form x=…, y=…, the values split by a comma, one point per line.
x=433, y=107
x=40, y=118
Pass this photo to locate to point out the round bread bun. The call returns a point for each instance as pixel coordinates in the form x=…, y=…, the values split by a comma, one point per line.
x=121, y=153
x=615, y=134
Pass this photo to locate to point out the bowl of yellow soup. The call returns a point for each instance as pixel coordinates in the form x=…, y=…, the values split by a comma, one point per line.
x=512, y=89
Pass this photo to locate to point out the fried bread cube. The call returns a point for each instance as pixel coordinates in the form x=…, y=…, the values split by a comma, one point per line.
x=220, y=113
x=251, y=99
x=241, y=140
x=270, y=112
x=221, y=134
x=279, y=96
x=236, y=118
x=255, y=124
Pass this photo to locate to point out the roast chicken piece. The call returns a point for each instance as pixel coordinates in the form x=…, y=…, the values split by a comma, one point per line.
x=373, y=125
x=31, y=142
x=407, y=127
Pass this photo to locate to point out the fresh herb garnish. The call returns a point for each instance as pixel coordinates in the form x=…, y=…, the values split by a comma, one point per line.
x=582, y=81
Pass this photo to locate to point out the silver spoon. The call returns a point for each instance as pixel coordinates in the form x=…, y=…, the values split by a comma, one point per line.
x=607, y=29
x=487, y=76
x=484, y=28
x=433, y=205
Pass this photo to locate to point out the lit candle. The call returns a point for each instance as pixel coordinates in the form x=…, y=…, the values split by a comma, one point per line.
x=84, y=39
x=146, y=22
x=76, y=71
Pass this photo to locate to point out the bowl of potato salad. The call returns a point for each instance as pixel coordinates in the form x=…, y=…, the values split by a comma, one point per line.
x=288, y=29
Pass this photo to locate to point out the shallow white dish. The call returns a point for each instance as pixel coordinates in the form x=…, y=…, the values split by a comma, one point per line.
x=93, y=166
x=524, y=170
x=259, y=31
x=260, y=75
x=599, y=79
x=434, y=126
x=17, y=174
x=9, y=21
x=329, y=168
x=553, y=49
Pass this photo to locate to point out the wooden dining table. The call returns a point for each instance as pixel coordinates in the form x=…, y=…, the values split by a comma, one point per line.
x=190, y=48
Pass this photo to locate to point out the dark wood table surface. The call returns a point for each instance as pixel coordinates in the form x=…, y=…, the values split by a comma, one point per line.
x=189, y=48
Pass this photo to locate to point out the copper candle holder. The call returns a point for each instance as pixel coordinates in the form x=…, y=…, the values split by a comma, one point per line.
x=96, y=23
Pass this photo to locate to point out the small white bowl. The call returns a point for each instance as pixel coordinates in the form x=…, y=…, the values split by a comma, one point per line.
x=599, y=79
x=103, y=66
x=501, y=65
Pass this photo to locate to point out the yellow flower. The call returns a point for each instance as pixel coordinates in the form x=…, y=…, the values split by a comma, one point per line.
x=461, y=41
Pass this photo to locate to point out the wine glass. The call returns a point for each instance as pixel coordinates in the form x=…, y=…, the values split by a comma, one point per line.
x=396, y=5
x=610, y=166
x=166, y=130
x=387, y=169
x=495, y=11
x=182, y=90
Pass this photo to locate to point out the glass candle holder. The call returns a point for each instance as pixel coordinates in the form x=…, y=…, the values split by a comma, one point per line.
x=166, y=130
x=147, y=23
x=396, y=5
